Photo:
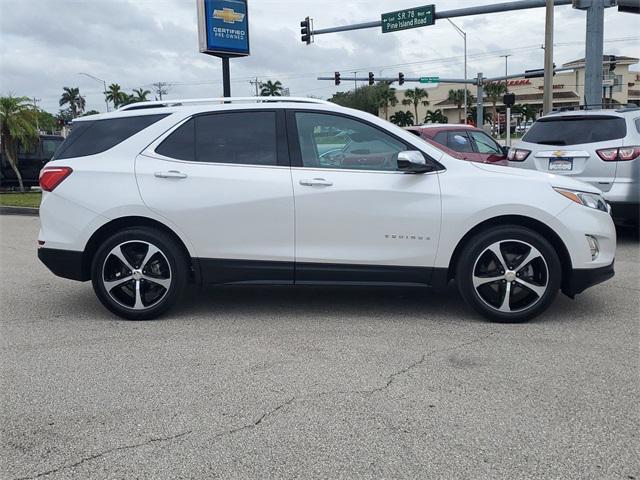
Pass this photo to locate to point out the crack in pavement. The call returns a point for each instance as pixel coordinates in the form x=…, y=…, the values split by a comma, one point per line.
x=391, y=378
x=102, y=454
x=257, y=422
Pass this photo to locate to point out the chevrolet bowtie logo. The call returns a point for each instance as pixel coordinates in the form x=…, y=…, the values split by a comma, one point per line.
x=228, y=15
x=558, y=153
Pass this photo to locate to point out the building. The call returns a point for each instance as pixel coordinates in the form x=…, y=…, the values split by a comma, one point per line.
x=568, y=90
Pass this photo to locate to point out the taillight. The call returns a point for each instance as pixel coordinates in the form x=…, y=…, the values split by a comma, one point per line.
x=619, y=154
x=51, y=177
x=517, y=154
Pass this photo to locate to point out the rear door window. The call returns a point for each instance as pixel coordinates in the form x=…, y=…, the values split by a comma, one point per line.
x=459, y=142
x=91, y=137
x=485, y=144
x=576, y=129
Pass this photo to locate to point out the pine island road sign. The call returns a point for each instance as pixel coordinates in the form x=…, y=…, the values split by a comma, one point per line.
x=409, y=18
x=223, y=27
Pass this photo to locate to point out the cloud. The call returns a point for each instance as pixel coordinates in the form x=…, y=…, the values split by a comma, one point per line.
x=45, y=44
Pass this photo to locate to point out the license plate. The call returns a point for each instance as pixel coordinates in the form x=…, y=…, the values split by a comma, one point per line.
x=561, y=163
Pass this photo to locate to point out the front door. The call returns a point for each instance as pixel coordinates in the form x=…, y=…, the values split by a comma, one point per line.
x=223, y=179
x=358, y=218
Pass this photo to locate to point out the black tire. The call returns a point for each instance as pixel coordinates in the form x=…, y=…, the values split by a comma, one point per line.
x=478, y=263
x=168, y=266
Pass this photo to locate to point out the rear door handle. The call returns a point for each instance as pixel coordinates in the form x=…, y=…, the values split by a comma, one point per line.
x=321, y=182
x=171, y=174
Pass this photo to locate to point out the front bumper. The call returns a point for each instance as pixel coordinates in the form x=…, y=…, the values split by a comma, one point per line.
x=583, y=278
x=64, y=263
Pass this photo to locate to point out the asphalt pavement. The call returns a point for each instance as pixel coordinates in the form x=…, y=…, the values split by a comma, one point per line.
x=340, y=383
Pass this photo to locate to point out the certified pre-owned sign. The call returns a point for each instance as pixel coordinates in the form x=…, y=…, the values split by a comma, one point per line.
x=223, y=27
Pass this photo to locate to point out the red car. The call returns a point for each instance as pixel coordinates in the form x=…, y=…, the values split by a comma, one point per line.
x=463, y=141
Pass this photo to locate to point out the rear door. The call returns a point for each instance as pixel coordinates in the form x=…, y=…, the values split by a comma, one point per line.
x=486, y=148
x=568, y=144
x=224, y=180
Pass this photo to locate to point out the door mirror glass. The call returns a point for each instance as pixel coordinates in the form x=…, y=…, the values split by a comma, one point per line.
x=412, y=161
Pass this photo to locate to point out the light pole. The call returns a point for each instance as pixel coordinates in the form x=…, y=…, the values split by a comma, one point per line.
x=104, y=84
x=507, y=119
x=464, y=37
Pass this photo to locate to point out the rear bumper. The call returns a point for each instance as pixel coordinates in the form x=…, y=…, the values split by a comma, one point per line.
x=64, y=263
x=583, y=278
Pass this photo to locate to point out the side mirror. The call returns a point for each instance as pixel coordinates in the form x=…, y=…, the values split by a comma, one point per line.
x=412, y=161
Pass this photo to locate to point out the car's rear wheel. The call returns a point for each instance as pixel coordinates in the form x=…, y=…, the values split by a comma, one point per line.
x=139, y=273
x=509, y=274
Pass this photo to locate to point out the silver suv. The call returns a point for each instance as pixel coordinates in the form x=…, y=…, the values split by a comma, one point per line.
x=600, y=147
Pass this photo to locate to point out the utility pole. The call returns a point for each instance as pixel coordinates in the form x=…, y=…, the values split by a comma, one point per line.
x=507, y=118
x=160, y=89
x=547, y=97
x=479, y=101
x=257, y=84
x=464, y=37
x=593, y=72
x=355, y=82
x=35, y=105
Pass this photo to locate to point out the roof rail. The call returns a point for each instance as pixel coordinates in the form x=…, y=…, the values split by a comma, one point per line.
x=205, y=101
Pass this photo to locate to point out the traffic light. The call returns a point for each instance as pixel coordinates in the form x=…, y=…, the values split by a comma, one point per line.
x=612, y=62
x=305, y=30
x=336, y=78
x=371, y=79
x=401, y=78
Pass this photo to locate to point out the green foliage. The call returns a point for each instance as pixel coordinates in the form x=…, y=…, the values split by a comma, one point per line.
x=115, y=95
x=271, y=89
x=402, y=119
x=90, y=112
x=71, y=96
x=368, y=98
x=18, y=120
x=415, y=97
x=386, y=98
x=435, y=116
x=46, y=122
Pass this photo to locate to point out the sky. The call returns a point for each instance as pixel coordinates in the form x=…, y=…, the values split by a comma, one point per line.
x=45, y=44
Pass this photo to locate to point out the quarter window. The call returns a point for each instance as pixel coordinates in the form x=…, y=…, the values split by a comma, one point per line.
x=332, y=141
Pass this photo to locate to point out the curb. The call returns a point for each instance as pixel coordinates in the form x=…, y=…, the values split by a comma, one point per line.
x=6, y=210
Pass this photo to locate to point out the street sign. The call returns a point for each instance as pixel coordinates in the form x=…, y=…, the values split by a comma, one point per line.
x=409, y=18
x=429, y=79
x=223, y=27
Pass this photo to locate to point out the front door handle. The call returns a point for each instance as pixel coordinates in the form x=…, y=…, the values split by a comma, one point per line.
x=171, y=174
x=313, y=182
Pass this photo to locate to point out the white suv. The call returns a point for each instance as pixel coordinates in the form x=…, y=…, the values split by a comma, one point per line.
x=155, y=196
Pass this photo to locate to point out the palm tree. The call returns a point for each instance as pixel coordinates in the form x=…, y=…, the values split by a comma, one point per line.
x=17, y=126
x=115, y=95
x=140, y=95
x=493, y=92
x=416, y=96
x=435, y=116
x=402, y=119
x=271, y=89
x=457, y=98
x=72, y=97
x=387, y=98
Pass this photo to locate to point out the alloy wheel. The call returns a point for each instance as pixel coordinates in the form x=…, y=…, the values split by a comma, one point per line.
x=136, y=274
x=510, y=276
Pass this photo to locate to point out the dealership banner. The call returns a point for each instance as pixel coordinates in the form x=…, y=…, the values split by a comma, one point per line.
x=223, y=27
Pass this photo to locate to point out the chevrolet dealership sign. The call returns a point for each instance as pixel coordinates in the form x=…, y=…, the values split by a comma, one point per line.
x=223, y=27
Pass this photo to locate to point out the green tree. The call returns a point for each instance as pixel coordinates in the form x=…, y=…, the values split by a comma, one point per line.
x=365, y=98
x=415, y=97
x=435, y=116
x=115, y=95
x=472, y=113
x=387, y=98
x=71, y=96
x=17, y=127
x=271, y=89
x=402, y=119
x=494, y=92
x=91, y=112
x=140, y=95
x=457, y=98
x=46, y=122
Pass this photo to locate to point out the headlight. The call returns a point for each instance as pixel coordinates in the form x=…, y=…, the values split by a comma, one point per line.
x=591, y=200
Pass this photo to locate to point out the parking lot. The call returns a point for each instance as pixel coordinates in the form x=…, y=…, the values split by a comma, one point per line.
x=314, y=382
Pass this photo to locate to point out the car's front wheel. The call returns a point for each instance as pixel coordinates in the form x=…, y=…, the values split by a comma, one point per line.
x=509, y=273
x=139, y=273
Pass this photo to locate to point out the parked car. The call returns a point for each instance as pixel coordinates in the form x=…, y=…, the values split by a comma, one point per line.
x=30, y=161
x=600, y=147
x=153, y=197
x=465, y=142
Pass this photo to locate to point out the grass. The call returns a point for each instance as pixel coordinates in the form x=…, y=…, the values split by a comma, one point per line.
x=31, y=199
